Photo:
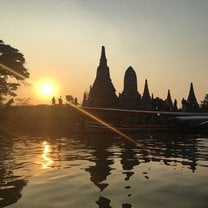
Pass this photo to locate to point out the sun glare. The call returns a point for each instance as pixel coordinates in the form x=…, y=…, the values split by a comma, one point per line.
x=47, y=160
x=46, y=89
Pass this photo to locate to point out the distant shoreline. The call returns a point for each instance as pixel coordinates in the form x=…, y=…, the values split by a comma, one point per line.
x=40, y=119
x=64, y=120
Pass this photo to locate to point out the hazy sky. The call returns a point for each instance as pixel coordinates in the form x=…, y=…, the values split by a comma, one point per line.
x=165, y=41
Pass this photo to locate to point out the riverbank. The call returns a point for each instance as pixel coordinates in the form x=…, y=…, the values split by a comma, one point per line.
x=65, y=119
x=40, y=119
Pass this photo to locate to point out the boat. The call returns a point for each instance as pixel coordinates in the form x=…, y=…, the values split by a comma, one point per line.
x=197, y=124
x=188, y=124
x=94, y=127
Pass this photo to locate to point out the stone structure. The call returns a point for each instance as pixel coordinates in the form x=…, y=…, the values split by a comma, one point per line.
x=102, y=92
x=146, y=102
x=168, y=102
x=175, y=105
x=129, y=98
x=192, y=104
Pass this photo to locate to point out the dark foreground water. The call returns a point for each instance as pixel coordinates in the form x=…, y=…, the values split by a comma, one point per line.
x=104, y=171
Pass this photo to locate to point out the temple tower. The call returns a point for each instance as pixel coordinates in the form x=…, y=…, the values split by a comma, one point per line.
x=102, y=93
x=168, y=102
x=130, y=97
x=146, y=102
x=192, y=104
x=175, y=105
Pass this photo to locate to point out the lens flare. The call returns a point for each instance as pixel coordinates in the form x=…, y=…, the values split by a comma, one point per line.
x=105, y=124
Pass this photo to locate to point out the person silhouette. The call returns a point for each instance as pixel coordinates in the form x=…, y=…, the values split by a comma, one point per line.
x=75, y=101
x=60, y=101
x=53, y=100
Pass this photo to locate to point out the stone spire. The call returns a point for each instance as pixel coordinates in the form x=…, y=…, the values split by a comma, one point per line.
x=175, y=105
x=103, y=59
x=192, y=101
x=102, y=93
x=146, y=102
x=103, y=70
x=169, y=97
x=130, y=97
x=168, y=102
x=146, y=94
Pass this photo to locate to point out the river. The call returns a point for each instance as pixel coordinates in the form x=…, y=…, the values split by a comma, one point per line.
x=104, y=170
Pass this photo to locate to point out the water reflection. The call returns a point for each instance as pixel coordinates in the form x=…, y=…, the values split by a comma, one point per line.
x=172, y=150
x=167, y=149
x=11, y=184
x=47, y=160
x=129, y=159
x=103, y=202
x=102, y=159
x=109, y=166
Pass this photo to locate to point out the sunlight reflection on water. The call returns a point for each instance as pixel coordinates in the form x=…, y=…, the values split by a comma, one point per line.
x=47, y=160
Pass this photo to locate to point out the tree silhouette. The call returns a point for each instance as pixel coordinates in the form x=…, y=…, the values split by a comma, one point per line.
x=204, y=103
x=12, y=70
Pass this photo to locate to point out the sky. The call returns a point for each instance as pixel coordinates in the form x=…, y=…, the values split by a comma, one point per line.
x=165, y=41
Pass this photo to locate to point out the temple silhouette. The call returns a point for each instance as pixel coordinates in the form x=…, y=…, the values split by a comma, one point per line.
x=103, y=94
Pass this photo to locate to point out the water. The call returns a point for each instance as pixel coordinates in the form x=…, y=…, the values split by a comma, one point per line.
x=104, y=171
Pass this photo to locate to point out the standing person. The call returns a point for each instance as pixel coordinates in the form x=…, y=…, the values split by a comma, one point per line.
x=60, y=101
x=53, y=100
x=75, y=101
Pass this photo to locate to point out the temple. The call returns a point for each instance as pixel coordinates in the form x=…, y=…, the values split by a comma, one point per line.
x=192, y=104
x=168, y=102
x=146, y=102
x=130, y=97
x=103, y=94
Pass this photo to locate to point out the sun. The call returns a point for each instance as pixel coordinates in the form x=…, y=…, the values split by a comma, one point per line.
x=46, y=89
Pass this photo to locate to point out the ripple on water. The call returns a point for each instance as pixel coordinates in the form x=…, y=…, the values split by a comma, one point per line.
x=103, y=172
x=62, y=188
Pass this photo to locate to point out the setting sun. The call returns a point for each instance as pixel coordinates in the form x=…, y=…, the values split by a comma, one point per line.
x=46, y=89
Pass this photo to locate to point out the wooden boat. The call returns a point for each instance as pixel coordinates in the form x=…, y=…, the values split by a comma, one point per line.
x=191, y=124
x=93, y=127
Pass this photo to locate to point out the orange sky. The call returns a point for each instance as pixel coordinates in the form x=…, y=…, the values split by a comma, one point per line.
x=164, y=41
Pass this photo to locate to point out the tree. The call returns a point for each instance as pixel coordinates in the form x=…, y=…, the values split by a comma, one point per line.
x=12, y=70
x=204, y=103
x=23, y=101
